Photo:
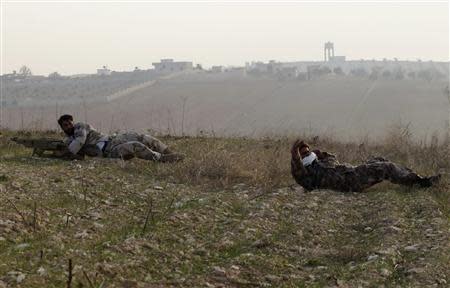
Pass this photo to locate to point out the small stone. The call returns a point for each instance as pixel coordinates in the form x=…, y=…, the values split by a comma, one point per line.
x=41, y=271
x=18, y=276
x=95, y=215
x=82, y=235
x=372, y=257
x=218, y=271
x=416, y=270
x=389, y=251
x=395, y=228
x=368, y=229
x=148, y=278
x=312, y=205
x=385, y=272
x=412, y=248
x=158, y=188
x=22, y=246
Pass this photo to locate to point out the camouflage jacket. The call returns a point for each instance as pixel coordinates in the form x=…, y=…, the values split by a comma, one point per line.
x=84, y=134
x=324, y=173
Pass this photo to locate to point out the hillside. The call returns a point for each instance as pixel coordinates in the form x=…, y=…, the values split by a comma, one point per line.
x=228, y=216
x=346, y=107
x=69, y=90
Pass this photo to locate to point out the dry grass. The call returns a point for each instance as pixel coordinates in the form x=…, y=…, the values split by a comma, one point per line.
x=228, y=216
x=223, y=162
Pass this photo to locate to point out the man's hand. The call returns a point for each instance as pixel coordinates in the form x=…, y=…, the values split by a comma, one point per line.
x=295, y=151
x=67, y=155
x=297, y=168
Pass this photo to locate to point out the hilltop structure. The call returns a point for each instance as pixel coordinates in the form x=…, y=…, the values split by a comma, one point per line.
x=170, y=66
x=339, y=65
x=103, y=71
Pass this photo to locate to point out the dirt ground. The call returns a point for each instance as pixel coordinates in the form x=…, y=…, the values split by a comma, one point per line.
x=228, y=216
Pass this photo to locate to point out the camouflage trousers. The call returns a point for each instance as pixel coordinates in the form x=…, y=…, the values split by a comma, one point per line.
x=370, y=173
x=131, y=144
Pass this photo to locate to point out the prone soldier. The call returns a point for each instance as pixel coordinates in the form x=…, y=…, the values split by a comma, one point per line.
x=321, y=170
x=83, y=137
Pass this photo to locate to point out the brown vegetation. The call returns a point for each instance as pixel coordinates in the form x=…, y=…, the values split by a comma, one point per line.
x=230, y=215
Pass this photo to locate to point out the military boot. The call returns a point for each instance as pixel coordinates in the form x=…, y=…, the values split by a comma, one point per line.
x=430, y=181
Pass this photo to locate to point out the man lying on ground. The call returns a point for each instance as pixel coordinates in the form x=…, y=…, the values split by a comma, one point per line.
x=321, y=170
x=83, y=138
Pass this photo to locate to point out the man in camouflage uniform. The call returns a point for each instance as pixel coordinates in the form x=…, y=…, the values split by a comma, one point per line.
x=83, y=139
x=321, y=170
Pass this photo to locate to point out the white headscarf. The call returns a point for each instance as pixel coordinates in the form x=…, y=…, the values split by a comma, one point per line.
x=309, y=159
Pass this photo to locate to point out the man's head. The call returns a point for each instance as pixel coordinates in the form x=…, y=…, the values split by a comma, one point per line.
x=66, y=124
x=303, y=149
x=300, y=149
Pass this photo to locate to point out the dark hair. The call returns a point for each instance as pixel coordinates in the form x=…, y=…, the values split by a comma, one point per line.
x=302, y=144
x=65, y=117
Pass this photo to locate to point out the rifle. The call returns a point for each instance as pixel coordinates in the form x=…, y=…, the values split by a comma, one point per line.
x=40, y=146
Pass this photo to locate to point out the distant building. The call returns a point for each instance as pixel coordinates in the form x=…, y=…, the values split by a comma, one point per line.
x=170, y=66
x=288, y=73
x=103, y=71
x=259, y=67
x=217, y=69
x=274, y=67
x=237, y=71
x=11, y=76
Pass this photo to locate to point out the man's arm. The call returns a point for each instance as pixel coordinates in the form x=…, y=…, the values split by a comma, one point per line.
x=298, y=171
x=323, y=154
x=80, y=135
x=67, y=140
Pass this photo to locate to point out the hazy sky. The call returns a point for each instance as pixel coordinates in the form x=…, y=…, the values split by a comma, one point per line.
x=79, y=37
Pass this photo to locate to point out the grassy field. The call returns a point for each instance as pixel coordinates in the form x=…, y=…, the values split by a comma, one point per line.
x=230, y=215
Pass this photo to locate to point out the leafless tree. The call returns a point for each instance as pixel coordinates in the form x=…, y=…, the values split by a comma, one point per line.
x=25, y=71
